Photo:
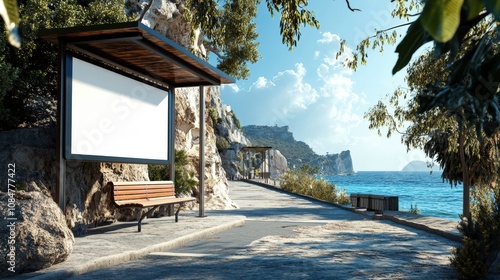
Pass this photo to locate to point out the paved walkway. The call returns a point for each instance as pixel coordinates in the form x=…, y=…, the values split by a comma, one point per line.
x=357, y=244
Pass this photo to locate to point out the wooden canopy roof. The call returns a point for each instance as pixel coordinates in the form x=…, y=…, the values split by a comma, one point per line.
x=138, y=49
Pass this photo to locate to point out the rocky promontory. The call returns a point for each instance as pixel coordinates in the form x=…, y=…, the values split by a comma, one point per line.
x=298, y=153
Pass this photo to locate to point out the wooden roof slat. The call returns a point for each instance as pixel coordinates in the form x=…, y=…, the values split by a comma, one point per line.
x=141, y=51
x=173, y=58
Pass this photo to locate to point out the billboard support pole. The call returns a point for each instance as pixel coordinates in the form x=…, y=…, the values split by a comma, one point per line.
x=60, y=195
x=171, y=136
x=202, y=154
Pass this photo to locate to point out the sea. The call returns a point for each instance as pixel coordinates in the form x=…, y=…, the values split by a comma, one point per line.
x=421, y=189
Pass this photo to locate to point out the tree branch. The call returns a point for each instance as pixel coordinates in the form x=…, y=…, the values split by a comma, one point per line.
x=349, y=6
x=388, y=29
x=145, y=10
x=214, y=50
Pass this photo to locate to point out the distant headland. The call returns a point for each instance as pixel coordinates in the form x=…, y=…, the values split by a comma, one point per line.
x=296, y=152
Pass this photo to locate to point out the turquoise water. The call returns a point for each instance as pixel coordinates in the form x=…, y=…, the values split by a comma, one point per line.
x=432, y=196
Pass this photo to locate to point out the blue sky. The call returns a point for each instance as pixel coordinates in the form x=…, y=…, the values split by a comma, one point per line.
x=321, y=101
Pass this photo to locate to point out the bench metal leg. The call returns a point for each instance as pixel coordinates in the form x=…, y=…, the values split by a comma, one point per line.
x=144, y=215
x=177, y=212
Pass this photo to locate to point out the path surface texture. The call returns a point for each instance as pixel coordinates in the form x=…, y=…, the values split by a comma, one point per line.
x=282, y=236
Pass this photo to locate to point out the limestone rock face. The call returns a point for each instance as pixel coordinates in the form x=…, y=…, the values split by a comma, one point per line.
x=187, y=137
x=228, y=130
x=165, y=16
x=278, y=164
x=335, y=164
x=39, y=232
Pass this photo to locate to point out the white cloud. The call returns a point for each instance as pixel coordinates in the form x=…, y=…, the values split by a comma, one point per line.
x=279, y=99
x=233, y=87
x=293, y=89
x=316, y=54
x=329, y=37
x=262, y=82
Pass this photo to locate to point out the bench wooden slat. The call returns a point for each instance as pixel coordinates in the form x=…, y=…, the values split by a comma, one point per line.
x=165, y=192
x=141, y=187
x=157, y=201
x=119, y=197
x=145, y=195
x=149, y=183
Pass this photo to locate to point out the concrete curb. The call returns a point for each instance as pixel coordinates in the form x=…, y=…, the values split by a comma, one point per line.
x=447, y=235
x=111, y=260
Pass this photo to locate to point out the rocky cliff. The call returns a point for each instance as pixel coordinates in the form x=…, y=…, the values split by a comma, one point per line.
x=335, y=164
x=296, y=152
x=229, y=137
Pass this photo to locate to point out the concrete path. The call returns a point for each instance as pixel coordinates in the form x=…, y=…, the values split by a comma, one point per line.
x=284, y=237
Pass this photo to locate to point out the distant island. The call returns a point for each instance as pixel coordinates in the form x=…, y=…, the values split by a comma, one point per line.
x=416, y=165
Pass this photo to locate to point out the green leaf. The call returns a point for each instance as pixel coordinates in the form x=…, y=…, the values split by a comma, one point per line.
x=475, y=7
x=414, y=39
x=493, y=6
x=441, y=18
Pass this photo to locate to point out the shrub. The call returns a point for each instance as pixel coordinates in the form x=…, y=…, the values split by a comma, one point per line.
x=212, y=113
x=222, y=144
x=304, y=181
x=184, y=180
x=414, y=210
x=236, y=121
x=481, y=239
x=343, y=197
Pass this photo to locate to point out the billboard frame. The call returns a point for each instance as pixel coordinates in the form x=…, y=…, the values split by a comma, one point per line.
x=68, y=143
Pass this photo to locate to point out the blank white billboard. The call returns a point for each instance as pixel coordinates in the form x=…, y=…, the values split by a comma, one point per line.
x=112, y=117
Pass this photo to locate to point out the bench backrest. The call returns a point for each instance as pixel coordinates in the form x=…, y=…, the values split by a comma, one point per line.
x=123, y=191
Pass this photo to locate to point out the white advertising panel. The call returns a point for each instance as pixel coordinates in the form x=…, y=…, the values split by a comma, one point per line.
x=113, y=117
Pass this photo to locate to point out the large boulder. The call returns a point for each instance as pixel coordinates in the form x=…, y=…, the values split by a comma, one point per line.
x=33, y=152
x=279, y=164
x=33, y=229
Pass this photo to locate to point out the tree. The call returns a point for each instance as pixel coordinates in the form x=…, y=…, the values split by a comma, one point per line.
x=470, y=92
x=458, y=150
x=230, y=32
x=29, y=75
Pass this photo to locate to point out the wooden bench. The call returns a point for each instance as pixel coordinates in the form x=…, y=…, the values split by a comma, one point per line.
x=145, y=194
x=377, y=203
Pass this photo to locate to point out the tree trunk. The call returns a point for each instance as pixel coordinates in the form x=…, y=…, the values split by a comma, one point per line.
x=465, y=175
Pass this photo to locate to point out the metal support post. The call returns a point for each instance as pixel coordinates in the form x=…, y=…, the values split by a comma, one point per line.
x=202, y=154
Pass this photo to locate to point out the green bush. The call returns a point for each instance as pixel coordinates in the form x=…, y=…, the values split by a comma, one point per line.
x=184, y=181
x=222, y=144
x=414, y=210
x=343, y=197
x=304, y=181
x=236, y=121
x=481, y=236
x=212, y=113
